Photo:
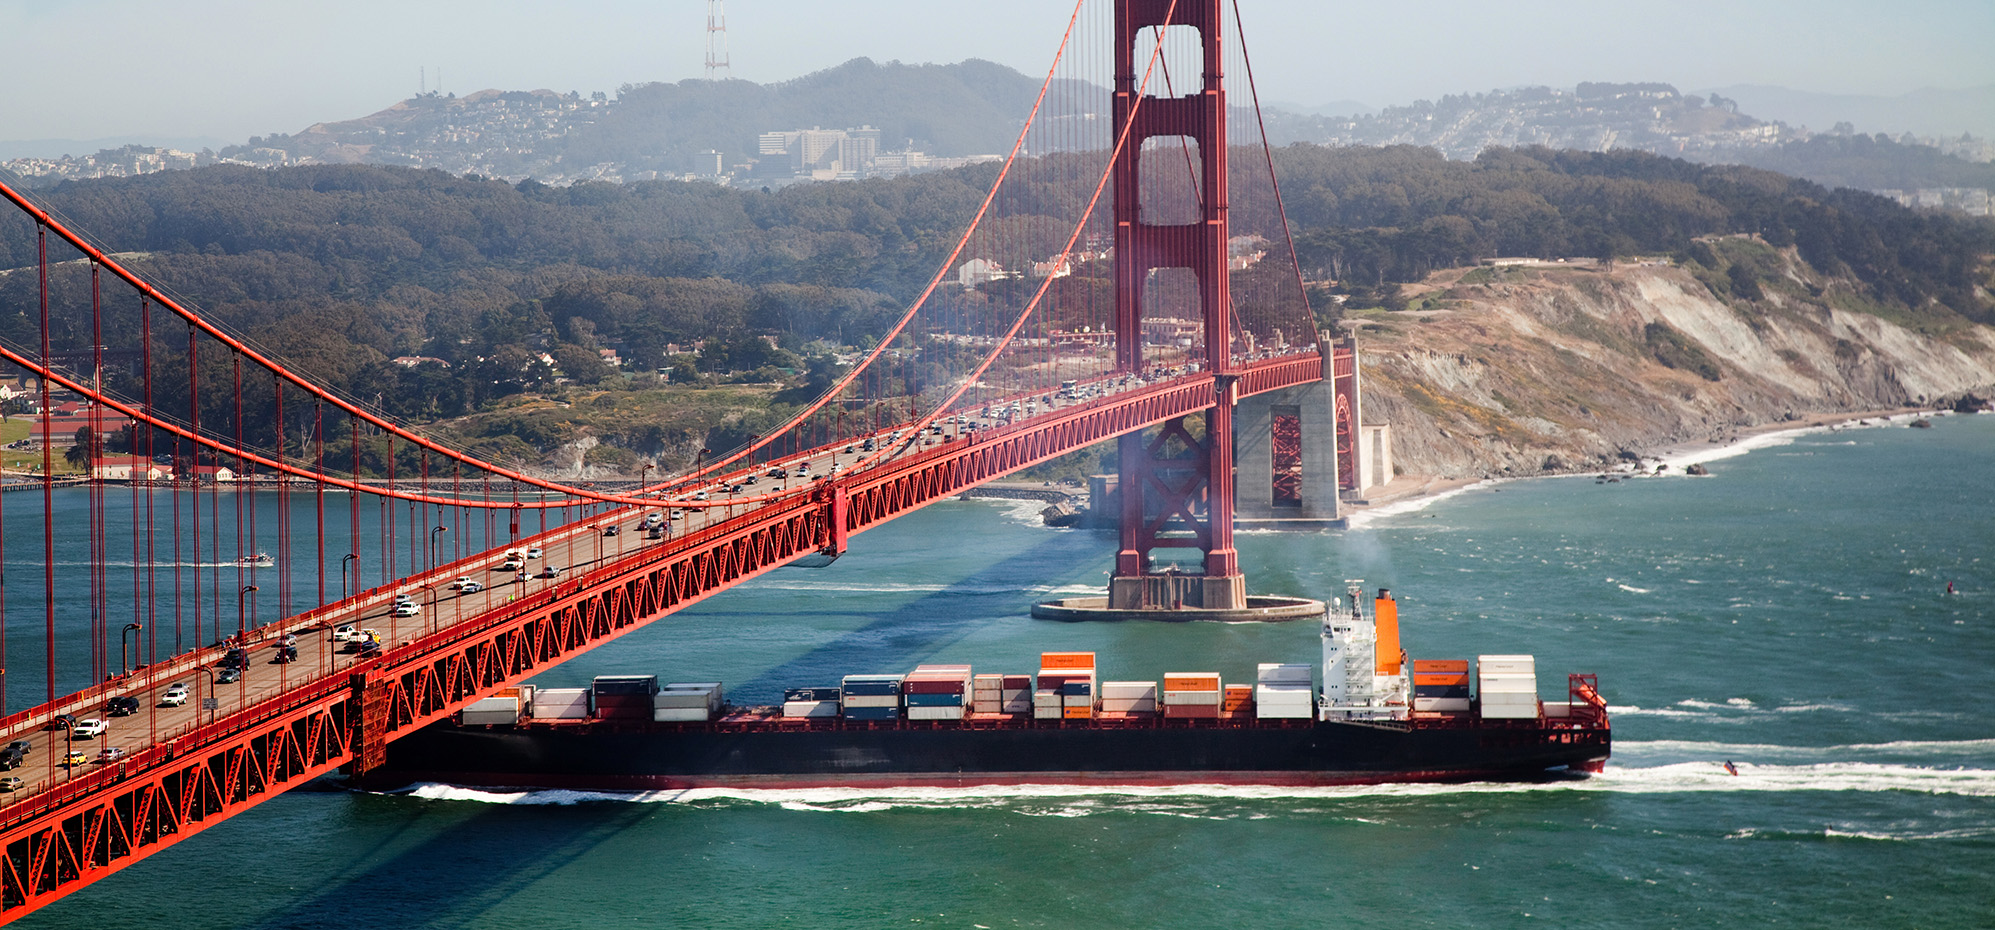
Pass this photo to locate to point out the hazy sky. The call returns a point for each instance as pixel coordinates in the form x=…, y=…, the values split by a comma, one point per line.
x=229, y=69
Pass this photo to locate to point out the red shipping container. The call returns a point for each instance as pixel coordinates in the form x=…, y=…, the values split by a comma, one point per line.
x=1192, y=710
x=933, y=686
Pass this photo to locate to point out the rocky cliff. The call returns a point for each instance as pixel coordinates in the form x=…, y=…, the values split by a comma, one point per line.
x=1548, y=368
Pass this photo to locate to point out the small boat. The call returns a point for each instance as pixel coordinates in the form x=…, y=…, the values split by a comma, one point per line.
x=255, y=561
x=1731, y=769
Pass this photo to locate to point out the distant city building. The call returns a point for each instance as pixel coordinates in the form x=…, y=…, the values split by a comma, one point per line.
x=978, y=271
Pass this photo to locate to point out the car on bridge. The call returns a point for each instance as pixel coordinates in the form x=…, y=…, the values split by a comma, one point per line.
x=110, y=754
x=472, y=587
x=407, y=610
x=91, y=728
x=459, y=584
x=612, y=530
x=62, y=721
x=11, y=783
x=11, y=759
x=123, y=705
x=74, y=758
x=21, y=746
x=776, y=472
x=229, y=676
x=533, y=553
x=549, y=572
x=174, y=696
x=345, y=633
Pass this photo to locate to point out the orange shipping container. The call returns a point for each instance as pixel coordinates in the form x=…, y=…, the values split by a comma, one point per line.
x=1441, y=665
x=1191, y=681
x=1079, y=713
x=1066, y=660
x=1450, y=678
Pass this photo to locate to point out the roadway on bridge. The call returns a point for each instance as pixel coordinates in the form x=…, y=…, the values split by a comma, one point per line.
x=328, y=642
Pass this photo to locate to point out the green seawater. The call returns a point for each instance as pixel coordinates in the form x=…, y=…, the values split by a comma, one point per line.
x=1788, y=613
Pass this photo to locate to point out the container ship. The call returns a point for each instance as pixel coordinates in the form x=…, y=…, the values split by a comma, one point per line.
x=1366, y=715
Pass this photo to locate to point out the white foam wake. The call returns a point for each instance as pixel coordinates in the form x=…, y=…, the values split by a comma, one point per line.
x=1365, y=518
x=1079, y=800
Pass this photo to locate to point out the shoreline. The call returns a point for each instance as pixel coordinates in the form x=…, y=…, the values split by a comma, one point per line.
x=1411, y=493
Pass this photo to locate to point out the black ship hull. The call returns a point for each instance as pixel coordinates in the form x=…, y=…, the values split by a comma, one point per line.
x=610, y=757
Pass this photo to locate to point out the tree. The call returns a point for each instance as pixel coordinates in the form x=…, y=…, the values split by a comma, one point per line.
x=84, y=451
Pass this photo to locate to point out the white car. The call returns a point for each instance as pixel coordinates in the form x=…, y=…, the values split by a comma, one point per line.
x=174, y=696
x=459, y=584
x=93, y=727
x=472, y=587
x=407, y=610
x=345, y=633
x=404, y=599
x=533, y=553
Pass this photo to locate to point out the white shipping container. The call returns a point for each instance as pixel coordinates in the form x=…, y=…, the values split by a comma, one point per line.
x=935, y=713
x=1507, y=682
x=1128, y=690
x=1077, y=700
x=1441, y=705
x=1509, y=697
x=1273, y=672
x=1129, y=705
x=1283, y=711
x=561, y=703
x=810, y=708
x=1511, y=711
x=872, y=700
x=1507, y=665
x=1191, y=697
x=682, y=699
x=1013, y=694
x=680, y=714
x=986, y=707
x=989, y=682
x=1016, y=706
x=1044, y=712
x=488, y=718
x=506, y=702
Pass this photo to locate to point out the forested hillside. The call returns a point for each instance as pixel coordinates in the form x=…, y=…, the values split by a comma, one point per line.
x=340, y=268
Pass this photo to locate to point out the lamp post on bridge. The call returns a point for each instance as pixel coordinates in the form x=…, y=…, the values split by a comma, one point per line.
x=349, y=557
x=432, y=544
x=213, y=697
x=124, y=659
x=242, y=614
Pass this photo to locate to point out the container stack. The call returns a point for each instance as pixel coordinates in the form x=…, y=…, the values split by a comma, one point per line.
x=1066, y=686
x=987, y=694
x=1192, y=694
x=871, y=697
x=1284, y=691
x=1441, y=686
x=561, y=703
x=1129, y=697
x=1508, y=687
x=936, y=692
x=624, y=697
x=501, y=709
x=810, y=702
x=686, y=702
x=1017, y=694
x=1237, y=702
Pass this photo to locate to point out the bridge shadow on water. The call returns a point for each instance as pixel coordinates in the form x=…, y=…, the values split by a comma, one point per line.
x=900, y=636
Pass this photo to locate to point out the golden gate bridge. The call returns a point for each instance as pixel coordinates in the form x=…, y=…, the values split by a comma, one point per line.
x=1158, y=185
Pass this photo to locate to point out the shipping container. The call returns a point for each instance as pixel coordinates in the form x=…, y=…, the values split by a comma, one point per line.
x=681, y=715
x=1018, y=682
x=1048, y=712
x=1510, y=711
x=1441, y=705
x=1191, y=681
x=637, y=685
x=1076, y=688
x=1071, y=712
x=871, y=713
x=918, y=699
x=1440, y=665
x=870, y=685
x=1128, y=705
x=1129, y=689
x=1066, y=660
x=1203, y=698
x=810, y=694
x=933, y=686
x=1191, y=710
x=1507, y=665
x=1275, y=672
x=490, y=718
x=561, y=703
x=673, y=699
x=810, y=708
x=681, y=694
x=935, y=713
x=872, y=701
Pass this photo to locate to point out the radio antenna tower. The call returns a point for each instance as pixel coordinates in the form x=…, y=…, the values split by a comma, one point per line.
x=716, y=40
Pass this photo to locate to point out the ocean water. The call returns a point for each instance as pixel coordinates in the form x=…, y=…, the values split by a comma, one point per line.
x=1788, y=613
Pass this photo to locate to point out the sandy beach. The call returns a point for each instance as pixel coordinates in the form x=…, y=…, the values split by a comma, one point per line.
x=1406, y=493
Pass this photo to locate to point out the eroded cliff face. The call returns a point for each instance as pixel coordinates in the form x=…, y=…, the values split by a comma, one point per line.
x=1526, y=371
